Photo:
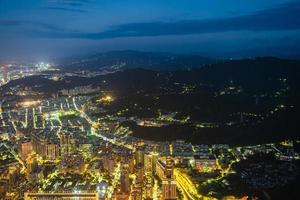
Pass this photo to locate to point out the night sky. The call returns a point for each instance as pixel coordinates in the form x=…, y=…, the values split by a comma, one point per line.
x=45, y=29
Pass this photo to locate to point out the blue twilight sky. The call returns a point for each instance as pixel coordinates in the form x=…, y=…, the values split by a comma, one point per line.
x=44, y=29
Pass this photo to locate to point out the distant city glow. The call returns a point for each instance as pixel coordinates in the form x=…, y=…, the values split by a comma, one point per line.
x=31, y=103
x=106, y=99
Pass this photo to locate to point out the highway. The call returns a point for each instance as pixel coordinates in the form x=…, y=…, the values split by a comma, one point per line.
x=185, y=185
x=190, y=191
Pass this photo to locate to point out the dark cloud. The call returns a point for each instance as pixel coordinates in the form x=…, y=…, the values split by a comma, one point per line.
x=65, y=9
x=70, y=2
x=67, y=5
x=10, y=22
x=31, y=25
x=283, y=17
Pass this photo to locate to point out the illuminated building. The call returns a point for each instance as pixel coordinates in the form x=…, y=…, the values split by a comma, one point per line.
x=125, y=184
x=139, y=156
x=160, y=169
x=67, y=196
x=25, y=148
x=46, y=149
x=38, y=145
x=149, y=188
x=150, y=162
x=169, y=168
x=164, y=171
x=136, y=193
x=168, y=183
x=139, y=173
x=67, y=144
x=205, y=163
x=108, y=163
x=52, y=151
x=168, y=189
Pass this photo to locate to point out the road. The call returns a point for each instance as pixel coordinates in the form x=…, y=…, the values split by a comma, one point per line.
x=190, y=191
x=184, y=184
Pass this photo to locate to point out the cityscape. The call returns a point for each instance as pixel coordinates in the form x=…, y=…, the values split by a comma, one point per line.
x=143, y=124
x=54, y=146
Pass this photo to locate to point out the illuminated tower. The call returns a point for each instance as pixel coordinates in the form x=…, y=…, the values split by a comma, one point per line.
x=139, y=156
x=125, y=184
x=139, y=174
x=169, y=168
x=150, y=162
x=168, y=182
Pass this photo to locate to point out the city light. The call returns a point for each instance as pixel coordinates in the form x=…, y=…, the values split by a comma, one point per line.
x=105, y=99
x=31, y=103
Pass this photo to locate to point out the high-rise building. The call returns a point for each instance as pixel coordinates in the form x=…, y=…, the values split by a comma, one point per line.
x=38, y=145
x=46, y=149
x=131, y=163
x=139, y=155
x=25, y=148
x=139, y=171
x=160, y=169
x=169, y=168
x=150, y=162
x=168, y=182
x=108, y=163
x=125, y=184
x=168, y=189
x=67, y=144
x=164, y=171
x=149, y=188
